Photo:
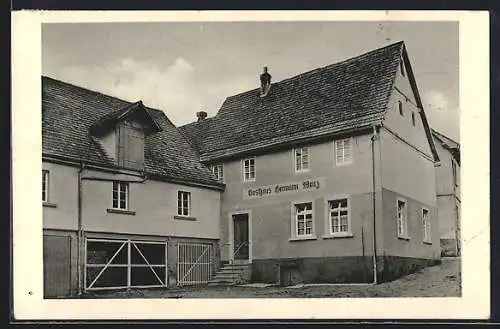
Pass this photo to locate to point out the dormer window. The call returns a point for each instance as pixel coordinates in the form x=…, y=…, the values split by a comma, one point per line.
x=130, y=145
x=122, y=134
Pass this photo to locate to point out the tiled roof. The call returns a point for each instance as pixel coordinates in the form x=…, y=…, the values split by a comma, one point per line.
x=449, y=144
x=352, y=93
x=69, y=112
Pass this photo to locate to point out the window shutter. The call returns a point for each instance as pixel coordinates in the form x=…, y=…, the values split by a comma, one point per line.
x=131, y=147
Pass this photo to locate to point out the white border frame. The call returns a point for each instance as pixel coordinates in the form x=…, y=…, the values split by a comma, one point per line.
x=28, y=302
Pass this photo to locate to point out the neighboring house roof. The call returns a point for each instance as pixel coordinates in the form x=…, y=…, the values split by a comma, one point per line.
x=352, y=94
x=449, y=144
x=109, y=120
x=69, y=111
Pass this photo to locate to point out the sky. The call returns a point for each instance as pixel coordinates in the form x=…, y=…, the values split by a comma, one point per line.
x=182, y=68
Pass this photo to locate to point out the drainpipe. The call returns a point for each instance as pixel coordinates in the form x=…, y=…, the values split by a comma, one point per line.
x=375, y=270
x=80, y=260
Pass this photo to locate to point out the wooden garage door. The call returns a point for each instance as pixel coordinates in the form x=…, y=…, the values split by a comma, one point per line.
x=56, y=265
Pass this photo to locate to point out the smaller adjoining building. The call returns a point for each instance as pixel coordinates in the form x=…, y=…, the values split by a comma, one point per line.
x=448, y=193
x=125, y=201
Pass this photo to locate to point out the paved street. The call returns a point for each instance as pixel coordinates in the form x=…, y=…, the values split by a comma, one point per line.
x=438, y=281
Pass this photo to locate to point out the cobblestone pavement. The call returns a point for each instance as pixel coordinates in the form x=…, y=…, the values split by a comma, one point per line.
x=442, y=280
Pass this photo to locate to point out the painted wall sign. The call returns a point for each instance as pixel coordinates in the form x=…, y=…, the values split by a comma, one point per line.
x=307, y=185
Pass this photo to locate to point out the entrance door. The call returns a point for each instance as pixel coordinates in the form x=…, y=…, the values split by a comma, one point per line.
x=240, y=235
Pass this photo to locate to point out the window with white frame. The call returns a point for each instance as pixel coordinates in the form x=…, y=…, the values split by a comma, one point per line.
x=120, y=195
x=303, y=219
x=249, y=169
x=426, y=223
x=401, y=218
x=218, y=171
x=45, y=185
x=343, y=151
x=183, y=203
x=301, y=155
x=455, y=173
x=338, y=214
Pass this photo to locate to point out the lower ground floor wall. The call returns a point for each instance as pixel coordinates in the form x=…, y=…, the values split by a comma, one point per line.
x=356, y=269
x=113, y=261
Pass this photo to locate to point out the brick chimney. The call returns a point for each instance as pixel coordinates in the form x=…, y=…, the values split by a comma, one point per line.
x=265, y=82
x=201, y=115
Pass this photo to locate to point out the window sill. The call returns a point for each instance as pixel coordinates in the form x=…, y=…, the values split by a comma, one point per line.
x=338, y=235
x=49, y=204
x=427, y=242
x=305, y=171
x=343, y=164
x=403, y=237
x=305, y=238
x=120, y=211
x=185, y=218
x=248, y=181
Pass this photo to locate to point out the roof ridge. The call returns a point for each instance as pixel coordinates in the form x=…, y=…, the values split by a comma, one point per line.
x=98, y=92
x=357, y=57
x=445, y=136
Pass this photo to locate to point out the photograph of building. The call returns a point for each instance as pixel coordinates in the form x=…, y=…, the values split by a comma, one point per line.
x=334, y=175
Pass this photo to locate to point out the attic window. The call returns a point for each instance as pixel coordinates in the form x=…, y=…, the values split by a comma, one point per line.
x=402, y=67
x=130, y=145
x=400, y=107
x=413, y=119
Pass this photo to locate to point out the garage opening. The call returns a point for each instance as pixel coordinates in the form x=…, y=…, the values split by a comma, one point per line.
x=194, y=263
x=125, y=264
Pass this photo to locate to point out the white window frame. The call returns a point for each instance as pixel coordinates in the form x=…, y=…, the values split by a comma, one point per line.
x=127, y=195
x=244, y=170
x=45, y=183
x=404, y=223
x=336, y=150
x=426, y=225
x=306, y=157
x=294, y=219
x=328, y=211
x=218, y=171
x=181, y=197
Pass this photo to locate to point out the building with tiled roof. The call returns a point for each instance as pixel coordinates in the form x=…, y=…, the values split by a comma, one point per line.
x=325, y=177
x=123, y=196
x=329, y=175
x=448, y=193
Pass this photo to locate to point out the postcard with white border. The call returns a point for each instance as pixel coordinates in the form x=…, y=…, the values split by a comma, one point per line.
x=250, y=165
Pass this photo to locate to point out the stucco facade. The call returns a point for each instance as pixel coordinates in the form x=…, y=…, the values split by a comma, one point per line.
x=448, y=198
x=152, y=214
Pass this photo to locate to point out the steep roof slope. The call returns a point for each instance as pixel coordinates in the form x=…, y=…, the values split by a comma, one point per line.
x=69, y=111
x=449, y=144
x=352, y=93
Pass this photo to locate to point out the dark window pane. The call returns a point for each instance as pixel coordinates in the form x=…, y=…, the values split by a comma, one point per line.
x=144, y=276
x=123, y=204
x=110, y=277
x=101, y=252
x=154, y=253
